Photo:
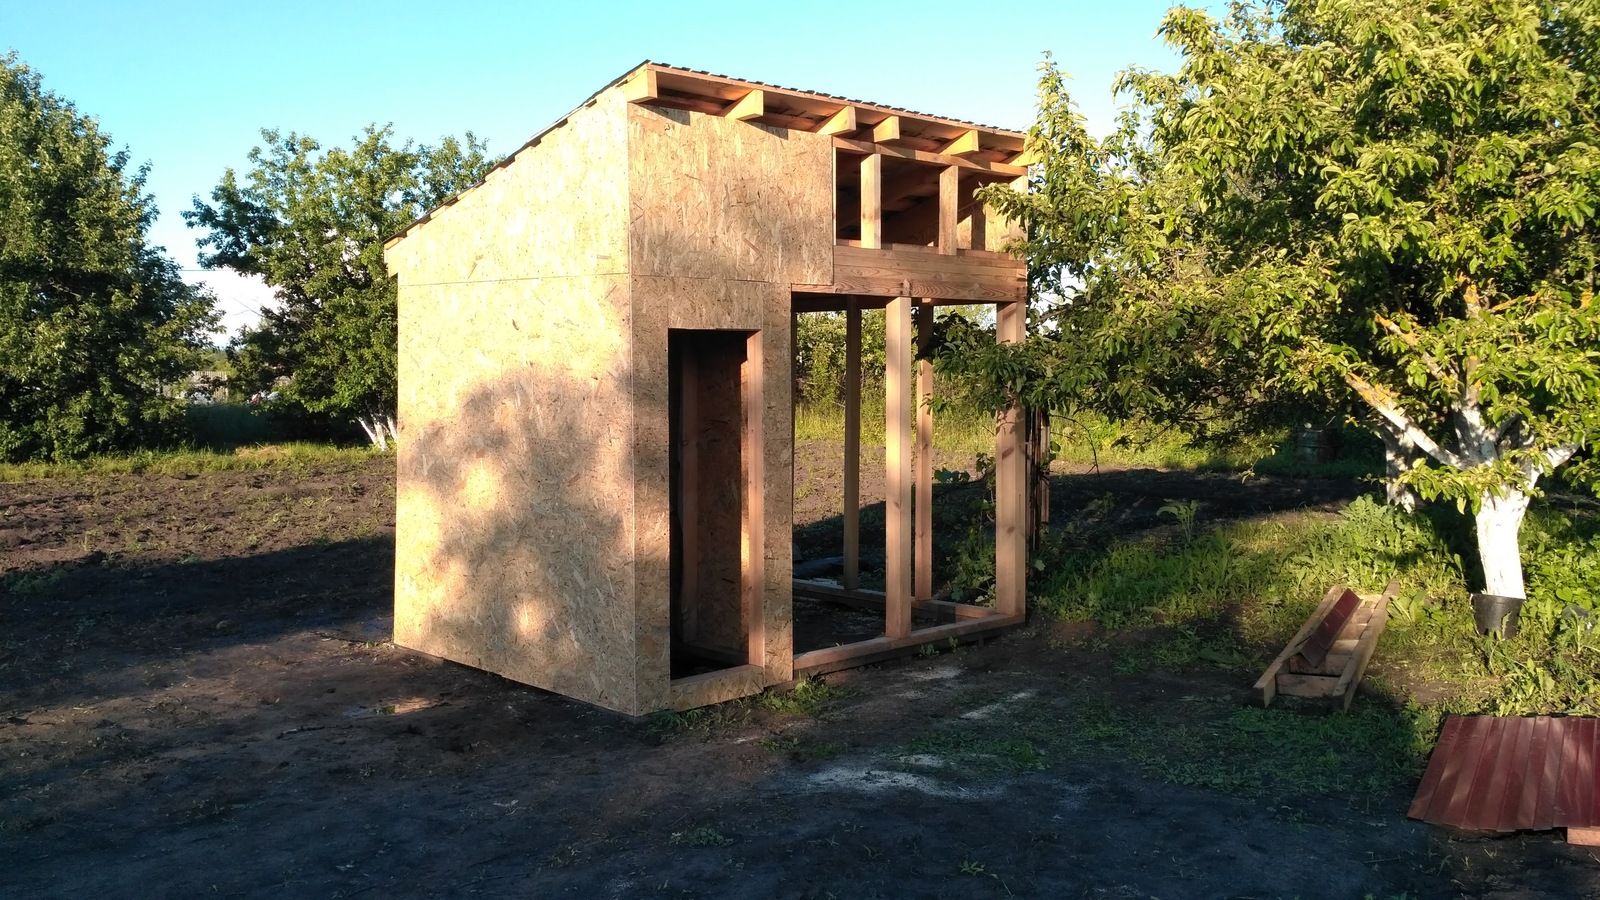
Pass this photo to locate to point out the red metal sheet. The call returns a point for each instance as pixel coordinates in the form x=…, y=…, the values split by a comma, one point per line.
x=1431, y=778
x=1491, y=773
x=1321, y=641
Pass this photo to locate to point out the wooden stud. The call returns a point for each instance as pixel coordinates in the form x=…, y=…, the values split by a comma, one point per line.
x=1011, y=485
x=897, y=474
x=852, y=445
x=887, y=130
x=689, y=499
x=841, y=122
x=641, y=88
x=961, y=146
x=949, y=205
x=751, y=106
x=755, y=482
x=872, y=201
x=922, y=552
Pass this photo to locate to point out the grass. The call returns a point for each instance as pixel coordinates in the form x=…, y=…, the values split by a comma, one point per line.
x=1248, y=586
x=303, y=456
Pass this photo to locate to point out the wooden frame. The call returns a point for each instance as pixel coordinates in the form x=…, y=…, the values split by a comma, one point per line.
x=544, y=554
x=1335, y=668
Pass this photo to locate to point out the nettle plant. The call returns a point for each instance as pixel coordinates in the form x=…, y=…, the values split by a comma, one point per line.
x=1379, y=205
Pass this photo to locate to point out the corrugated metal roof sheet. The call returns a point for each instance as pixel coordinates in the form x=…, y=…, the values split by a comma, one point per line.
x=1494, y=773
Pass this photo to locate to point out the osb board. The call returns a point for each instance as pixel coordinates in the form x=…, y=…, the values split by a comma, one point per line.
x=559, y=208
x=726, y=199
x=660, y=304
x=515, y=526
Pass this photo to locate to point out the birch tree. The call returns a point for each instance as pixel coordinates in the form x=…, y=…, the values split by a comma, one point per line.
x=1383, y=204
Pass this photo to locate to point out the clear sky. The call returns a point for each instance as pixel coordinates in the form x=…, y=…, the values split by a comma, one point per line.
x=188, y=86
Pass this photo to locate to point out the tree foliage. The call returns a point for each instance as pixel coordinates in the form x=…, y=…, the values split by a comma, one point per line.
x=94, y=322
x=311, y=223
x=1389, y=206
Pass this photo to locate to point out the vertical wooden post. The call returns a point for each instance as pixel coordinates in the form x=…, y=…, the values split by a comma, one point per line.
x=897, y=475
x=922, y=551
x=1011, y=485
x=949, y=206
x=689, y=497
x=852, y=445
x=872, y=201
x=755, y=482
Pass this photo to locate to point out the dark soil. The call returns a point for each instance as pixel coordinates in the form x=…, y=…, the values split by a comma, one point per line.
x=197, y=697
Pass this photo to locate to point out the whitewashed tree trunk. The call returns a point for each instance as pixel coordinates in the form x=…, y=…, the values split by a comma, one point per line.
x=375, y=431
x=1499, y=522
x=1399, y=455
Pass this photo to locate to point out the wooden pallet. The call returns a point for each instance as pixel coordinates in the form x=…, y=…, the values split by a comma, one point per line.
x=1329, y=655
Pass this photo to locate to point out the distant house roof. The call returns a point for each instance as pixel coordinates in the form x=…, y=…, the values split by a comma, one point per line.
x=679, y=88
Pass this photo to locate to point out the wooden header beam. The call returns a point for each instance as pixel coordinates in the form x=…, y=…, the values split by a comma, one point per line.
x=936, y=159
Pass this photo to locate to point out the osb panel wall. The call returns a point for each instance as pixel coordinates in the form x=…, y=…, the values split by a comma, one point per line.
x=515, y=529
x=660, y=304
x=725, y=199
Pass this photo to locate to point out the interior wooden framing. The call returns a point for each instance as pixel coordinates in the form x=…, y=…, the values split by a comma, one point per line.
x=911, y=178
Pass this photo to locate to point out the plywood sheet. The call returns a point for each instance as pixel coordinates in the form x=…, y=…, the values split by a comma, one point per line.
x=515, y=521
x=660, y=304
x=724, y=199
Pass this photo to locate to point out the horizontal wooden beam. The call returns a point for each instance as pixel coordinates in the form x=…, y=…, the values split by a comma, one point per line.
x=963, y=145
x=642, y=87
x=862, y=652
x=936, y=159
x=751, y=106
x=841, y=122
x=887, y=130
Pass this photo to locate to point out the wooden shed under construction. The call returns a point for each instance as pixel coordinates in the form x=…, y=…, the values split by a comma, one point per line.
x=595, y=469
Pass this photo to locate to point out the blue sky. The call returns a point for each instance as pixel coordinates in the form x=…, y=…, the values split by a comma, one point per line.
x=188, y=86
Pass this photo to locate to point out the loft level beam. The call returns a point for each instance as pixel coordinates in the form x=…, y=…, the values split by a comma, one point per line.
x=923, y=156
x=751, y=106
x=897, y=468
x=887, y=130
x=922, y=552
x=852, y=445
x=1011, y=478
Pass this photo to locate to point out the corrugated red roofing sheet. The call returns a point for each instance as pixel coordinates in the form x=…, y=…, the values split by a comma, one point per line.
x=1493, y=773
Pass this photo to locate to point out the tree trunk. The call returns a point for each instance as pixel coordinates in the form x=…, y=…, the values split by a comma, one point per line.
x=1399, y=455
x=1499, y=521
x=374, y=430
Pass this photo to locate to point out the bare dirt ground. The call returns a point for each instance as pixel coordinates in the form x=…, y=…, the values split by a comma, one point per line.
x=197, y=697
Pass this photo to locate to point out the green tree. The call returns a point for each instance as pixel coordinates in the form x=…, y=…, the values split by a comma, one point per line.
x=94, y=322
x=1387, y=205
x=311, y=224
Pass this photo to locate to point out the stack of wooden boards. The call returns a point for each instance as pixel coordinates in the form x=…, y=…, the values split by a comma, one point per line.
x=1329, y=655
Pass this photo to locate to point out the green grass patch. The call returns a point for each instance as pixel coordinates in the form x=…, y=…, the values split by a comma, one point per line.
x=298, y=456
x=1247, y=587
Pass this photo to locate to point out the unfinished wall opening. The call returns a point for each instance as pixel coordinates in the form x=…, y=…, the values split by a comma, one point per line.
x=714, y=426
